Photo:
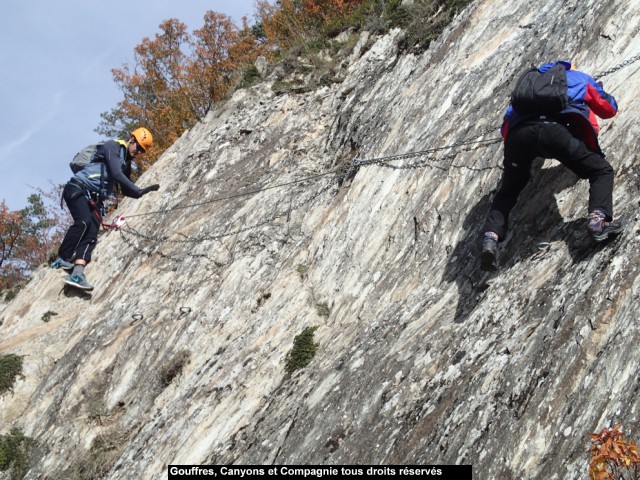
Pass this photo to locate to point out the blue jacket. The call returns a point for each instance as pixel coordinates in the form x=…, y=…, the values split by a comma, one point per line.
x=113, y=164
x=587, y=99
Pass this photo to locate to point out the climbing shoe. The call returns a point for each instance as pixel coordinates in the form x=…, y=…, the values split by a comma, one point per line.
x=78, y=281
x=61, y=263
x=600, y=229
x=488, y=258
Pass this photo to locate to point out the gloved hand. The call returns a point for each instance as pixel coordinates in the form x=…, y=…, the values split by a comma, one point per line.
x=152, y=188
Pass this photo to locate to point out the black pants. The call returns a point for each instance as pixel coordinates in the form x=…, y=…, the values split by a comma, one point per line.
x=548, y=140
x=81, y=237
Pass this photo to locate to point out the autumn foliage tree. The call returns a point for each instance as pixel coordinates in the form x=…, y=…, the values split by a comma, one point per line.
x=28, y=236
x=178, y=77
x=221, y=53
x=294, y=22
x=613, y=457
x=11, y=227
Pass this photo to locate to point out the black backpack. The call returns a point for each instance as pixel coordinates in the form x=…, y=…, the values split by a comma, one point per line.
x=541, y=93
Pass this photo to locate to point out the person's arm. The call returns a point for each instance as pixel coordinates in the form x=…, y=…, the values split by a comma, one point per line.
x=112, y=160
x=111, y=151
x=600, y=102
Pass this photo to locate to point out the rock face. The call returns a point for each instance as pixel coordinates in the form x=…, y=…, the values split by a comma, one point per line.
x=178, y=356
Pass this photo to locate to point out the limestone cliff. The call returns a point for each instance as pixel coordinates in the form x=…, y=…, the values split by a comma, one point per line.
x=261, y=230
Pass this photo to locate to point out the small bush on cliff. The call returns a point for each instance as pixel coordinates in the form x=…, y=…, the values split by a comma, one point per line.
x=48, y=316
x=424, y=20
x=10, y=369
x=303, y=350
x=302, y=270
x=103, y=454
x=613, y=457
x=174, y=367
x=12, y=292
x=323, y=310
x=14, y=453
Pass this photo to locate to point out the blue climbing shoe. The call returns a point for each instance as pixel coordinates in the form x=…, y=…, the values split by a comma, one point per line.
x=78, y=281
x=63, y=264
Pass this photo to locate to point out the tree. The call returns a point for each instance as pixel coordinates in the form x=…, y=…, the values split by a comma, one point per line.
x=28, y=236
x=153, y=90
x=11, y=227
x=289, y=23
x=178, y=77
x=43, y=228
x=221, y=52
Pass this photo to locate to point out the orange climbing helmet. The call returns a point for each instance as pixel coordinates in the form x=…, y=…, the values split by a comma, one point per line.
x=143, y=137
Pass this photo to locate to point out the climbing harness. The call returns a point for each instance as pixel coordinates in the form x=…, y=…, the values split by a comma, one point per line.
x=117, y=224
x=96, y=208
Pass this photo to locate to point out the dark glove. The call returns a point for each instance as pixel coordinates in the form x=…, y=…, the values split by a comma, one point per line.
x=152, y=188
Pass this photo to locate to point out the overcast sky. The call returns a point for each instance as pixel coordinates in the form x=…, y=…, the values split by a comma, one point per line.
x=55, y=76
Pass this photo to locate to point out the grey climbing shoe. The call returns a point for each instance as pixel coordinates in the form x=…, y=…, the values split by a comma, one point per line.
x=61, y=263
x=600, y=229
x=78, y=281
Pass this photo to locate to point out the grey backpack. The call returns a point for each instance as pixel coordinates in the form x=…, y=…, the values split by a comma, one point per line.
x=84, y=157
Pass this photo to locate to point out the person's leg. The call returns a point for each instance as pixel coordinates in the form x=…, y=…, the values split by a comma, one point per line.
x=81, y=214
x=519, y=152
x=83, y=255
x=81, y=237
x=87, y=244
x=557, y=142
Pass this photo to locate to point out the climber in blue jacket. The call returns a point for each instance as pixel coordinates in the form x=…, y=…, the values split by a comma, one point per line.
x=571, y=137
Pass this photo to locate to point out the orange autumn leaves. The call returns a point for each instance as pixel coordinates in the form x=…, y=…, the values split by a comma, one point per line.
x=613, y=457
x=289, y=23
x=177, y=76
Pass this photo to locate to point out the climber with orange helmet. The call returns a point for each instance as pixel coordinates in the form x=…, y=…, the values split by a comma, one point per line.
x=85, y=193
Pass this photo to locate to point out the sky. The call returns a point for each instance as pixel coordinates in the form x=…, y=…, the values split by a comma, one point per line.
x=55, y=77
